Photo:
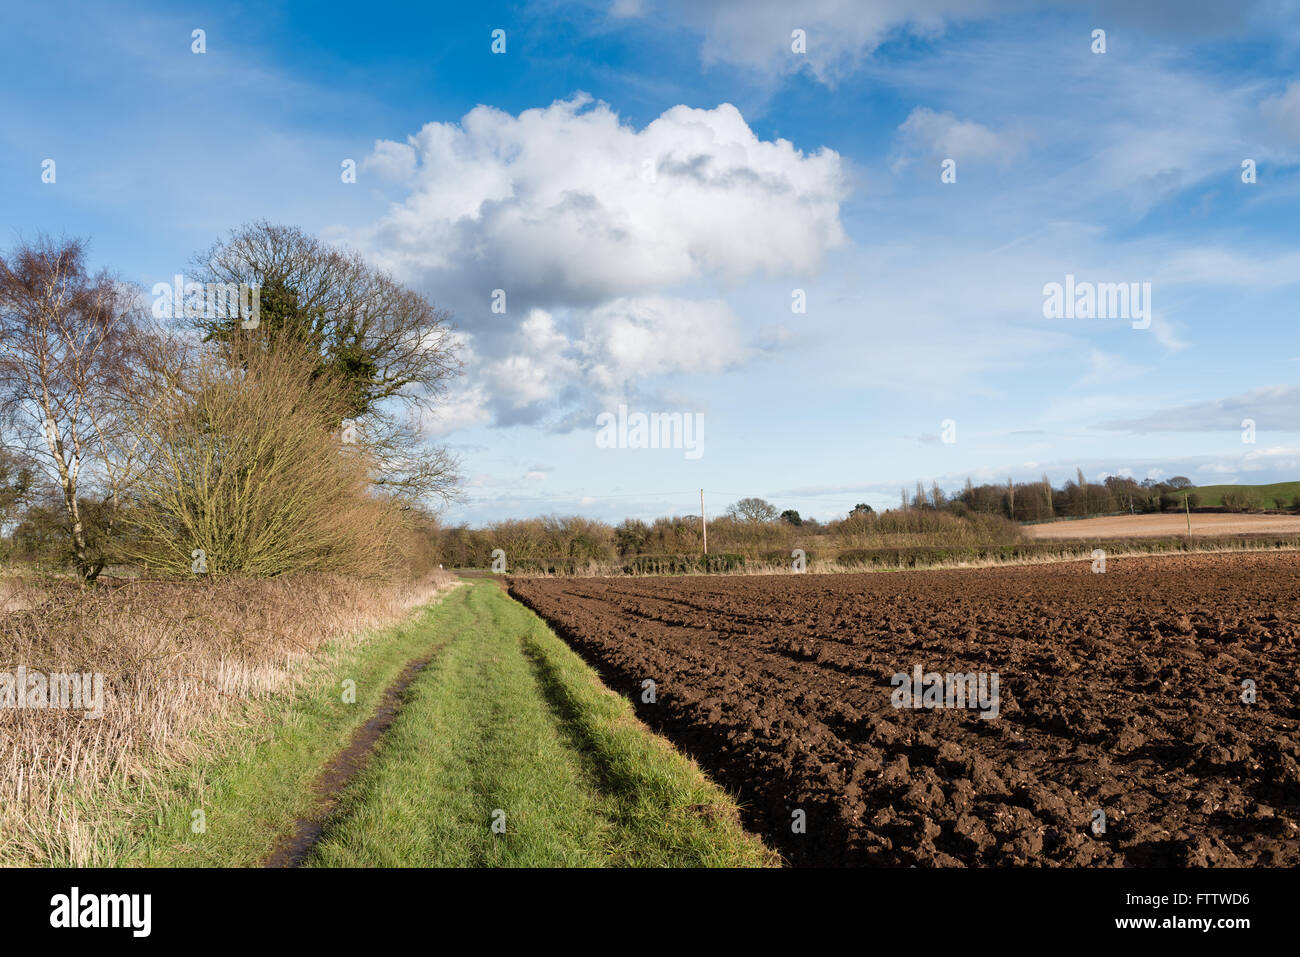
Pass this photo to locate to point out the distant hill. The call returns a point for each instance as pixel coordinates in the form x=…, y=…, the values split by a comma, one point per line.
x=1256, y=496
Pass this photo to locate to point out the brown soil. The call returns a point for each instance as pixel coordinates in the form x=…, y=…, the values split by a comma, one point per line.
x=1119, y=692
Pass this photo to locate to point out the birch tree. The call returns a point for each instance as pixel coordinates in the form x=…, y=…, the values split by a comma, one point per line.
x=66, y=339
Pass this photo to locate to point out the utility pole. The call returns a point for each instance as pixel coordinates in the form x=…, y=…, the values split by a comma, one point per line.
x=1188, y=509
x=704, y=524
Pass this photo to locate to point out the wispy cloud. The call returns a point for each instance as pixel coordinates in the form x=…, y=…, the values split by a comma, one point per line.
x=1275, y=408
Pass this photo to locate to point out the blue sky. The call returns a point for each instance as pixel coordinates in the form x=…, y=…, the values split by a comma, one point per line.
x=650, y=182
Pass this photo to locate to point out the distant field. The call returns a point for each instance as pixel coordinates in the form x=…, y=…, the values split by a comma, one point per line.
x=1258, y=496
x=1149, y=526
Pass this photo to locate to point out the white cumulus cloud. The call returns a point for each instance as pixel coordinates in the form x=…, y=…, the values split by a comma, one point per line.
x=566, y=205
x=592, y=229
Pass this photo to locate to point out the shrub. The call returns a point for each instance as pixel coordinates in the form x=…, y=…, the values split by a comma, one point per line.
x=784, y=557
x=684, y=564
x=1235, y=501
x=925, y=527
x=242, y=461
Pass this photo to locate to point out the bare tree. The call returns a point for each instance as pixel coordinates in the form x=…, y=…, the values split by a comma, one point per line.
x=390, y=349
x=752, y=510
x=919, y=499
x=937, y=496
x=67, y=341
x=403, y=463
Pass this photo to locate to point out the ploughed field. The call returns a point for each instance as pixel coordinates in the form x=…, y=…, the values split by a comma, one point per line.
x=1118, y=693
x=1146, y=526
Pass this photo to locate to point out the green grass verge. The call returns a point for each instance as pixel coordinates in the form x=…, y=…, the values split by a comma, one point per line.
x=509, y=724
x=256, y=784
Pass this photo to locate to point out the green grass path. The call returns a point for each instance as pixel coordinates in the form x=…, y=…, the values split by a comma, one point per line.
x=253, y=784
x=505, y=717
x=507, y=724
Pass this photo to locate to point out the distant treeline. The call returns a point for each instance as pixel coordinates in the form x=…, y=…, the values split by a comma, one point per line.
x=973, y=520
x=577, y=541
x=1040, y=501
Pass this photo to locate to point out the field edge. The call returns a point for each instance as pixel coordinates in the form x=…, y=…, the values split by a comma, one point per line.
x=253, y=778
x=577, y=778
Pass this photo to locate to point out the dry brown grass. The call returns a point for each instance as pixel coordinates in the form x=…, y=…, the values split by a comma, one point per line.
x=178, y=658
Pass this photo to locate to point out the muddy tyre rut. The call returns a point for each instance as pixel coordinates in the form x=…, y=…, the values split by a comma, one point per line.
x=293, y=848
